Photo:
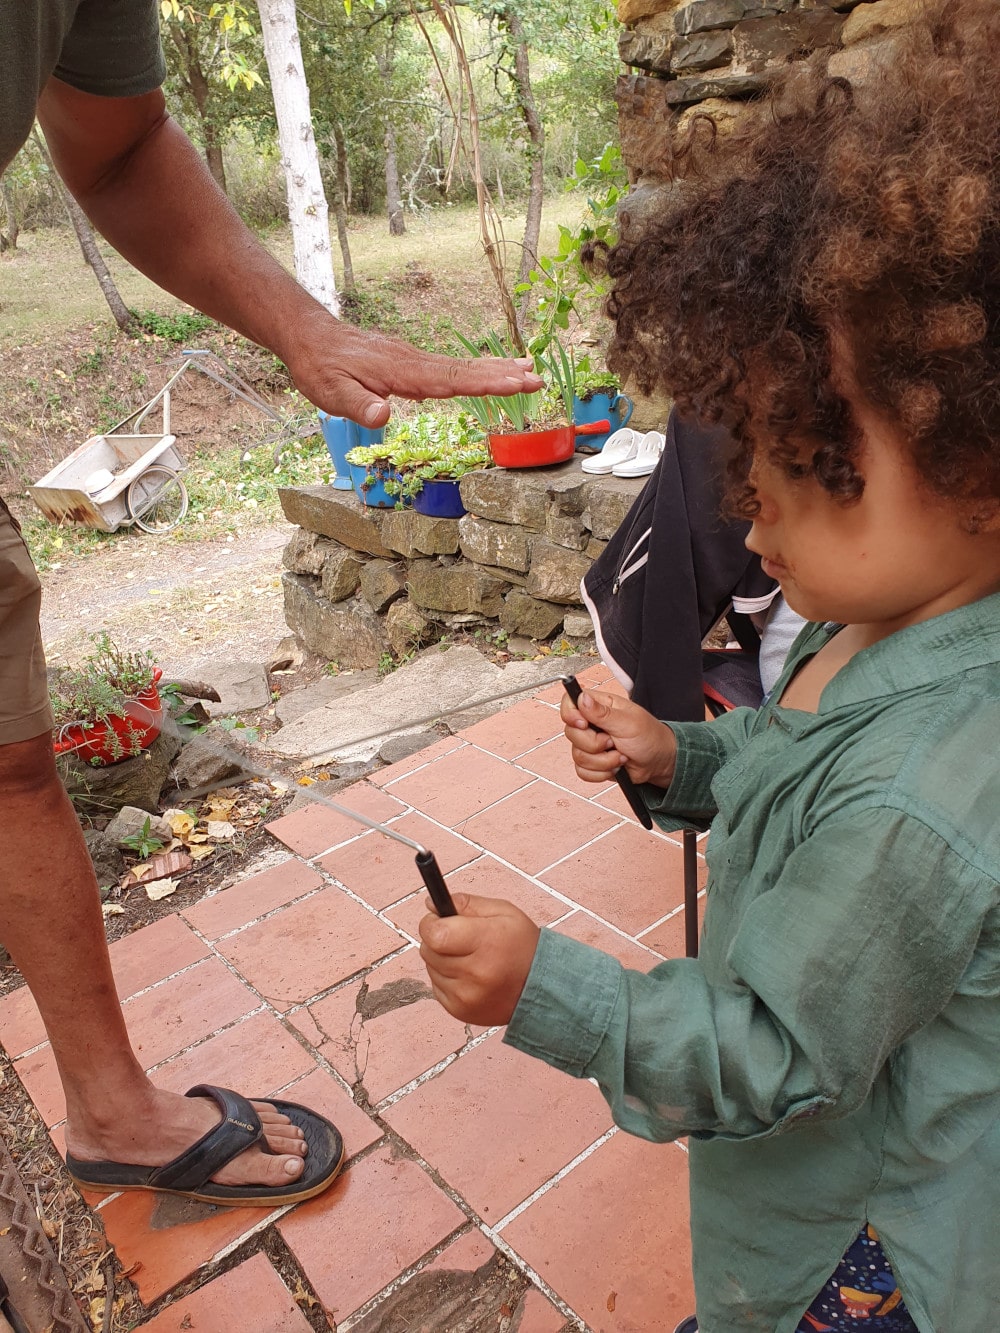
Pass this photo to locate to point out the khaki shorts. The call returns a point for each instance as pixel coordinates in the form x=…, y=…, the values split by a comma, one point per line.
x=24, y=692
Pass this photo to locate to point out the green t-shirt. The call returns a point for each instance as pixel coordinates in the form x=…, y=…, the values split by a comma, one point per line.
x=107, y=47
x=834, y=1051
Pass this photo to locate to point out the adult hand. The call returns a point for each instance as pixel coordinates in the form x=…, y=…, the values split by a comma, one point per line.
x=626, y=735
x=349, y=372
x=479, y=960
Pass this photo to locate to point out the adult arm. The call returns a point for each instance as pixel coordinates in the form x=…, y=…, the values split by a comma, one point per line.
x=143, y=185
x=863, y=939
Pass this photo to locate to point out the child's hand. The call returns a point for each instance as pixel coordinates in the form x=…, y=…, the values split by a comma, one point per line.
x=479, y=960
x=626, y=734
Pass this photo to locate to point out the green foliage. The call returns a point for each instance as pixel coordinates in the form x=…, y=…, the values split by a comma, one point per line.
x=107, y=680
x=239, y=729
x=561, y=285
x=520, y=409
x=145, y=842
x=589, y=382
x=434, y=447
x=179, y=328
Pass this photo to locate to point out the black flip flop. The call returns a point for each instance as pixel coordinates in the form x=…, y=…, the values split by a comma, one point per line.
x=190, y=1173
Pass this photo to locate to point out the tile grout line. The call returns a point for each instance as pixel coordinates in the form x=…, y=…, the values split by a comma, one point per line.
x=560, y=1175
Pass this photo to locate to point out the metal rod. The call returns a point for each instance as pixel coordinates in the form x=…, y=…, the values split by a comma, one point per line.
x=689, y=841
x=625, y=783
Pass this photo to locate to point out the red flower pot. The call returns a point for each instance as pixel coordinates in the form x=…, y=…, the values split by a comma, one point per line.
x=136, y=730
x=541, y=448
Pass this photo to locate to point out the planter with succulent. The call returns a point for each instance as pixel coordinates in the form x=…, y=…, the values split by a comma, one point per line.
x=598, y=397
x=371, y=468
x=532, y=430
x=108, y=708
x=432, y=453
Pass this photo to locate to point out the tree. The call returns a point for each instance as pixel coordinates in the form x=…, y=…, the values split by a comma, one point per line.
x=307, y=206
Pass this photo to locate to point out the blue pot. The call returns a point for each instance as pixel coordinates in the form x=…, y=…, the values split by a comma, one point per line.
x=374, y=496
x=439, y=499
x=617, y=407
x=337, y=434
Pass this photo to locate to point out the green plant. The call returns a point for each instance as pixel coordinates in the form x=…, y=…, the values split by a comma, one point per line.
x=376, y=459
x=520, y=409
x=144, y=843
x=102, y=687
x=560, y=366
x=590, y=382
x=179, y=328
x=435, y=447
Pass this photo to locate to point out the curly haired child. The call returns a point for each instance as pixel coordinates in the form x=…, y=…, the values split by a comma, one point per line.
x=828, y=285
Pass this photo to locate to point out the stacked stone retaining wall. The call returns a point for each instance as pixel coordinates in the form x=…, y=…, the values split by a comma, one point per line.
x=362, y=582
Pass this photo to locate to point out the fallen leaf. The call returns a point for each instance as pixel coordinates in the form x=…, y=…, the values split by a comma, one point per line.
x=220, y=809
x=109, y=909
x=160, y=888
x=181, y=823
x=199, y=852
x=305, y=782
x=195, y=838
x=612, y=1297
x=220, y=829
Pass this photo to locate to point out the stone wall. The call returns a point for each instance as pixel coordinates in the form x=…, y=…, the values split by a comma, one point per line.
x=718, y=56
x=361, y=582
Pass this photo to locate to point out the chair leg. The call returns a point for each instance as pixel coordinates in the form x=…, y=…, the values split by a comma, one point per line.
x=690, y=842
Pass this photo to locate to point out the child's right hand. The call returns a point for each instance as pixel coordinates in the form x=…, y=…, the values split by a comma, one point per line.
x=626, y=735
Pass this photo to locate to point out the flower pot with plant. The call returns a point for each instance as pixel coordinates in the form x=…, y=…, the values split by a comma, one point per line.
x=532, y=430
x=597, y=396
x=432, y=453
x=108, y=708
x=371, y=468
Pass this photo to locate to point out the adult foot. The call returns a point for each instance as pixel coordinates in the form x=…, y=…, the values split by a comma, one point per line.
x=166, y=1124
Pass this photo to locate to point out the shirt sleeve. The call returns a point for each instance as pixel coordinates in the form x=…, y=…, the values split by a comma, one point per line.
x=113, y=49
x=863, y=939
x=702, y=749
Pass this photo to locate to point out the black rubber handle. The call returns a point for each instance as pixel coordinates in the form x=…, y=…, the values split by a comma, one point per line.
x=628, y=787
x=431, y=873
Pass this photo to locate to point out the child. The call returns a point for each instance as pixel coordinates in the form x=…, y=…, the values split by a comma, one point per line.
x=830, y=289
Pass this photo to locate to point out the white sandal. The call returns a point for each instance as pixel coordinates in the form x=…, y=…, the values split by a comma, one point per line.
x=642, y=461
x=618, y=448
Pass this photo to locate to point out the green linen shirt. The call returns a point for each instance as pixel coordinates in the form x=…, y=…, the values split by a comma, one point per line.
x=834, y=1052
x=107, y=47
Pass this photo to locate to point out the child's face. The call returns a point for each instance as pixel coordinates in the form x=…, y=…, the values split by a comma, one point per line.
x=897, y=556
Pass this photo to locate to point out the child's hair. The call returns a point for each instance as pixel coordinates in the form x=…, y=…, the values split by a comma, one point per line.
x=871, y=216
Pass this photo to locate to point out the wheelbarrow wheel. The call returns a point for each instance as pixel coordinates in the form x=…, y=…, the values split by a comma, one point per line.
x=158, y=500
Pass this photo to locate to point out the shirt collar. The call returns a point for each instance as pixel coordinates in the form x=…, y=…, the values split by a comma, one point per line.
x=920, y=655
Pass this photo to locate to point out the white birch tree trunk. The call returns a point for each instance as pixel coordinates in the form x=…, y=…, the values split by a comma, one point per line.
x=307, y=210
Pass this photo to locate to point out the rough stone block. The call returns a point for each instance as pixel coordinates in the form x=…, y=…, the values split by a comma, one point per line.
x=631, y=10
x=682, y=92
x=702, y=50
x=382, y=583
x=577, y=625
x=406, y=627
x=861, y=63
x=456, y=588
x=341, y=575
x=336, y=514
x=347, y=632
x=567, y=488
x=700, y=15
x=305, y=552
x=505, y=496
x=595, y=549
x=567, y=530
x=763, y=42
x=412, y=534
x=610, y=503
x=490, y=543
x=556, y=572
x=136, y=781
x=646, y=50
x=535, y=619
x=872, y=20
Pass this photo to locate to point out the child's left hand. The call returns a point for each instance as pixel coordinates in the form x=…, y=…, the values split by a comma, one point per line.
x=479, y=960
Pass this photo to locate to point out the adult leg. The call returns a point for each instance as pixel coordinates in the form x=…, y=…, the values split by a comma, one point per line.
x=51, y=922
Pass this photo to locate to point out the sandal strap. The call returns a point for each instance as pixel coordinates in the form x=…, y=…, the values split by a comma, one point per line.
x=238, y=1130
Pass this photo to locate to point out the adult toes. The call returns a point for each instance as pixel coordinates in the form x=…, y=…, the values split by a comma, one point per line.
x=257, y=1168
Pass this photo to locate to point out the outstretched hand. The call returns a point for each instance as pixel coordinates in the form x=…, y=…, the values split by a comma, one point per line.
x=479, y=960
x=349, y=372
x=626, y=735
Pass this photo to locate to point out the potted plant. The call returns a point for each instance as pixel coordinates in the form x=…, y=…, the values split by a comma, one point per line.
x=598, y=396
x=108, y=708
x=531, y=430
x=432, y=453
x=371, y=467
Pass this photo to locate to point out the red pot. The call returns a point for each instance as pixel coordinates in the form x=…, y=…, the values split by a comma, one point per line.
x=136, y=730
x=541, y=448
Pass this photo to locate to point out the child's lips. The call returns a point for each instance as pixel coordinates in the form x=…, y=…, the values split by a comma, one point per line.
x=774, y=569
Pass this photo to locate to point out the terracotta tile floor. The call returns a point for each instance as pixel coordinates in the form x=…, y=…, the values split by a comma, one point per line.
x=471, y=1168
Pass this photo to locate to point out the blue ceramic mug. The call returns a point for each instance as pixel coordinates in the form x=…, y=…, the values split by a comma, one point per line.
x=337, y=434
x=617, y=407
